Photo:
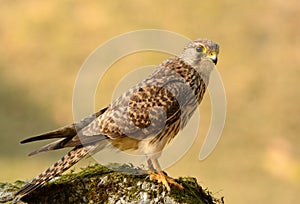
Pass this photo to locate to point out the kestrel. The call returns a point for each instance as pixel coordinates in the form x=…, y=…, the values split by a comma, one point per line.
x=145, y=118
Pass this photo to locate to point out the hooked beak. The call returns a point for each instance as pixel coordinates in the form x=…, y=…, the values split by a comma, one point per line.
x=214, y=58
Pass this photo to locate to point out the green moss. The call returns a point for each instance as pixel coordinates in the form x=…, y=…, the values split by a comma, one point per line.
x=7, y=189
x=90, y=171
x=99, y=184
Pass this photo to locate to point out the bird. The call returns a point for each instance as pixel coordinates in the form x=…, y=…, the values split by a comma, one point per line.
x=145, y=118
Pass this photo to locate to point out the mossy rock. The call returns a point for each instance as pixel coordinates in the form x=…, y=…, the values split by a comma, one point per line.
x=123, y=184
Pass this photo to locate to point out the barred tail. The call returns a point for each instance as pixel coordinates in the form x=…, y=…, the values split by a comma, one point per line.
x=56, y=169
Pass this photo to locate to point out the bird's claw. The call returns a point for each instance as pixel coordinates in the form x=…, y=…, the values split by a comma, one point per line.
x=165, y=180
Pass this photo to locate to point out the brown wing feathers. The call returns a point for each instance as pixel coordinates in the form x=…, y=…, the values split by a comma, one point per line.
x=68, y=134
x=66, y=131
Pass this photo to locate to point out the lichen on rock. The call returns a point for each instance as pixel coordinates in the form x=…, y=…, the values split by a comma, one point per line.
x=120, y=184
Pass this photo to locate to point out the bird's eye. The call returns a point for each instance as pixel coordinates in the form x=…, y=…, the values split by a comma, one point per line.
x=200, y=49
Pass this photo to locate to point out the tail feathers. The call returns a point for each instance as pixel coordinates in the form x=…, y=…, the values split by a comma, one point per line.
x=56, y=169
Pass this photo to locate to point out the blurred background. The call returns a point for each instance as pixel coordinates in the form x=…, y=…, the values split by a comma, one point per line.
x=44, y=43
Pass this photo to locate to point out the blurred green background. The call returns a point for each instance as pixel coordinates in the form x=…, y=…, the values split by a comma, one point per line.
x=44, y=43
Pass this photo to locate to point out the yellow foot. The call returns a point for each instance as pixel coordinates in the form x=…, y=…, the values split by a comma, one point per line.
x=166, y=180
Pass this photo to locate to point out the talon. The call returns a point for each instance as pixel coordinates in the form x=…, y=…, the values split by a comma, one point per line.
x=165, y=180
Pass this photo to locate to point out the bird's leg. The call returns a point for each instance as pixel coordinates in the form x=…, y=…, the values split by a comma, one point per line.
x=157, y=174
x=149, y=171
x=150, y=166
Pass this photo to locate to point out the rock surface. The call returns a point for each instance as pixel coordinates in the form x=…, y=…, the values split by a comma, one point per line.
x=98, y=184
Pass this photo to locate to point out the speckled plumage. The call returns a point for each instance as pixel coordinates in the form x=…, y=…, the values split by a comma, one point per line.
x=145, y=118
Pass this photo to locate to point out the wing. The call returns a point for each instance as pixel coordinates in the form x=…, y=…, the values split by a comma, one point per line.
x=68, y=134
x=141, y=112
x=146, y=108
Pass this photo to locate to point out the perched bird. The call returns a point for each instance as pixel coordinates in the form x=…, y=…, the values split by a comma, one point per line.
x=145, y=118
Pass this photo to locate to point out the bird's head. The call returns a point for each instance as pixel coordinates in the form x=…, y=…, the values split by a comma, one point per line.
x=199, y=50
